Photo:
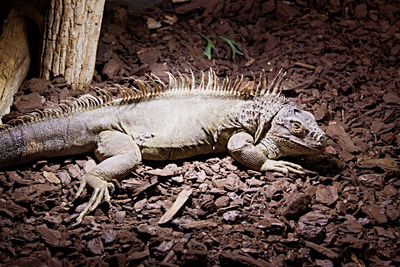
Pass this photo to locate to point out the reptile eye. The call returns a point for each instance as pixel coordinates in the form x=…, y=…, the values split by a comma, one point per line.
x=297, y=129
x=296, y=125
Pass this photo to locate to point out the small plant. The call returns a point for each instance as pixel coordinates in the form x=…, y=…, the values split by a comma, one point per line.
x=210, y=46
x=232, y=44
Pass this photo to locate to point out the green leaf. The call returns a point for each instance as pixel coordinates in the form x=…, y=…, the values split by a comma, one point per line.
x=232, y=44
x=210, y=46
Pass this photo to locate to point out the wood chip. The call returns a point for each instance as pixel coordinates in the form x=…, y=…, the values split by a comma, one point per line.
x=201, y=224
x=153, y=24
x=161, y=172
x=390, y=164
x=51, y=177
x=326, y=194
x=336, y=131
x=304, y=65
x=323, y=250
x=236, y=259
x=250, y=62
x=179, y=202
x=95, y=246
x=146, y=185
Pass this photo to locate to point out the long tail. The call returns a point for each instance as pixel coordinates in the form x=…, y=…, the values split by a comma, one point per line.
x=68, y=130
x=45, y=139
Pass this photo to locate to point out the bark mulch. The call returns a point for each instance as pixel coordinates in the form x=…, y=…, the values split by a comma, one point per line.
x=342, y=59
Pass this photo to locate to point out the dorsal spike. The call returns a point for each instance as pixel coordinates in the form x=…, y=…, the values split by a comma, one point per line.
x=239, y=81
x=192, y=81
x=159, y=82
x=209, y=80
x=216, y=84
x=140, y=85
x=254, y=85
x=262, y=83
x=181, y=81
x=278, y=88
x=171, y=81
x=121, y=92
x=154, y=85
x=202, y=81
x=273, y=89
x=188, y=82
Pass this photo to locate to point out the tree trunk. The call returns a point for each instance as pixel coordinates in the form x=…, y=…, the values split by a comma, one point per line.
x=15, y=59
x=71, y=34
x=23, y=24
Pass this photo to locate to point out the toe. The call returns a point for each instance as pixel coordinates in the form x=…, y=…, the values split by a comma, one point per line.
x=81, y=187
x=98, y=199
x=100, y=192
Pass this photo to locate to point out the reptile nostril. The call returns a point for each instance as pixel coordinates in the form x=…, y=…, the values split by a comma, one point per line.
x=322, y=138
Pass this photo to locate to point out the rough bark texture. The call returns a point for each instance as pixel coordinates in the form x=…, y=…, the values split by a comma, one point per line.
x=16, y=47
x=70, y=40
x=15, y=59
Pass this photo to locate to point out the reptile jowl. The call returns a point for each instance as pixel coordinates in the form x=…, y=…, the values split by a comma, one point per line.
x=158, y=121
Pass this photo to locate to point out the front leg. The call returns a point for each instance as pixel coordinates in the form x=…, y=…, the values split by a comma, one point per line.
x=119, y=155
x=241, y=147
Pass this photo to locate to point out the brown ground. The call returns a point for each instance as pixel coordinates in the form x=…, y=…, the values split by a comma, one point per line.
x=344, y=211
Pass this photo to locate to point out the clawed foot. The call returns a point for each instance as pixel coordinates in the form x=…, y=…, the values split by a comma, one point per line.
x=282, y=166
x=100, y=191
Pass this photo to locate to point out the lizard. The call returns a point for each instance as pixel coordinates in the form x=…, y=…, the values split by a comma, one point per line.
x=156, y=120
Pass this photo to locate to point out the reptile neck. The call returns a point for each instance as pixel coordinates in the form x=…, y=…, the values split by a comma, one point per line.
x=269, y=147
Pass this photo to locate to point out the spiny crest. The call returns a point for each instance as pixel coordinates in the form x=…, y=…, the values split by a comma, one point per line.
x=71, y=105
x=211, y=84
x=181, y=84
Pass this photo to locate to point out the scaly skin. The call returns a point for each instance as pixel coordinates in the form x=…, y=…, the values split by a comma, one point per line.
x=159, y=122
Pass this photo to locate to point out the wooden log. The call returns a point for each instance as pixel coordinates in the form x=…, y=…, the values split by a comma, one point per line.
x=15, y=49
x=15, y=58
x=72, y=30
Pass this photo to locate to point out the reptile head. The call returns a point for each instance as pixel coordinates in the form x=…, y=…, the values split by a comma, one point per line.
x=296, y=132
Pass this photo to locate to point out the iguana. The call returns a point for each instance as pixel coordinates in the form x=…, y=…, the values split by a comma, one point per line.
x=157, y=121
